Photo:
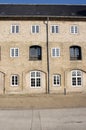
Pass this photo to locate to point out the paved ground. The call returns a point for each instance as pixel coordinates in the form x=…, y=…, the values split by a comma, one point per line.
x=41, y=112
x=43, y=119
x=43, y=101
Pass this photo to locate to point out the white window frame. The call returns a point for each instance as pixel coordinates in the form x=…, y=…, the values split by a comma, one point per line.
x=15, y=54
x=56, y=52
x=35, y=29
x=15, y=28
x=38, y=77
x=15, y=85
x=58, y=77
x=55, y=30
x=74, y=29
x=76, y=77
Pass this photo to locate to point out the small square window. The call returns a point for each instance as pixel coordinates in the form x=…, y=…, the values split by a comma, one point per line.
x=55, y=52
x=54, y=29
x=14, y=28
x=14, y=52
x=14, y=80
x=74, y=29
x=35, y=29
x=56, y=80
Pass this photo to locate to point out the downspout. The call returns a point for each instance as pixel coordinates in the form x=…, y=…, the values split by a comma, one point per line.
x=4, y=85
x=64, y=83
x=47, y=44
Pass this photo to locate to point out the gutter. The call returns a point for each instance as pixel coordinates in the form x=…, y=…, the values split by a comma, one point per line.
x=41, y=16
x=48, y=65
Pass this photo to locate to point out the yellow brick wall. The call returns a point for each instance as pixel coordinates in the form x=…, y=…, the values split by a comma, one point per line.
x=22, y=65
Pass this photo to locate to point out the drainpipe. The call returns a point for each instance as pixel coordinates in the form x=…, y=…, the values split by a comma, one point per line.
x=4, y=84
x=64, y=83
x=47, y=44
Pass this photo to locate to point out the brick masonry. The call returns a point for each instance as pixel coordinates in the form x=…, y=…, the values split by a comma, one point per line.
x=22, y=66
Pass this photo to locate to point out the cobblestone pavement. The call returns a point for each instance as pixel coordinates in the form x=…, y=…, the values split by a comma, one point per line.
x=43, y=119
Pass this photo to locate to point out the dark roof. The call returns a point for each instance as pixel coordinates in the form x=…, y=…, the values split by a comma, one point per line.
x=21, y=10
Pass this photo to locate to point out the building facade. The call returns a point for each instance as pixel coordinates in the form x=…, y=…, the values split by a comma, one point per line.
x=42, y=48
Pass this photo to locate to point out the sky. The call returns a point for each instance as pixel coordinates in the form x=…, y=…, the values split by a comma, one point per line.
x=44, y=1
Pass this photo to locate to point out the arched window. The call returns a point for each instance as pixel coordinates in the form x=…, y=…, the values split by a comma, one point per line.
x=35, y=53
x=75, y=53
x=35, y=79
x=76, y=78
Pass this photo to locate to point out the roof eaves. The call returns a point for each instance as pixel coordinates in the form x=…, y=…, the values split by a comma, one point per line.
x=19, y=16
x=39, y=16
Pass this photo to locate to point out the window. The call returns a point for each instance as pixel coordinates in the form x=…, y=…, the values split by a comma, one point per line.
x=55, y=52
x=14, y=52
x=74, y=29
x=76, y=78
x=75, y=53
x=14, y=80
x=56, y=80
x=54, y=29
x=35, y=77
x=14, y=28
x=35, y=53
x=35, y=29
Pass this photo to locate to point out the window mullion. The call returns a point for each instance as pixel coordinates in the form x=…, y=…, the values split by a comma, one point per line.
x=35, y=82
x=76, y=81
x=55, y=52
x=35, y=79
x=14, y=79
x=14, y=52
x=34, y=29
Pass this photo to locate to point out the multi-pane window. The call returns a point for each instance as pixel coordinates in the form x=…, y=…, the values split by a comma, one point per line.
x=56, y=80
x=75, y=53
x=74, y=29
x=14, y=52
x=76, y=78
x=14, y=80
x=35, y=29
x=35, y=79
x=54, y=29
x=55, y=52
x=14, y=28
x=35, y=53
